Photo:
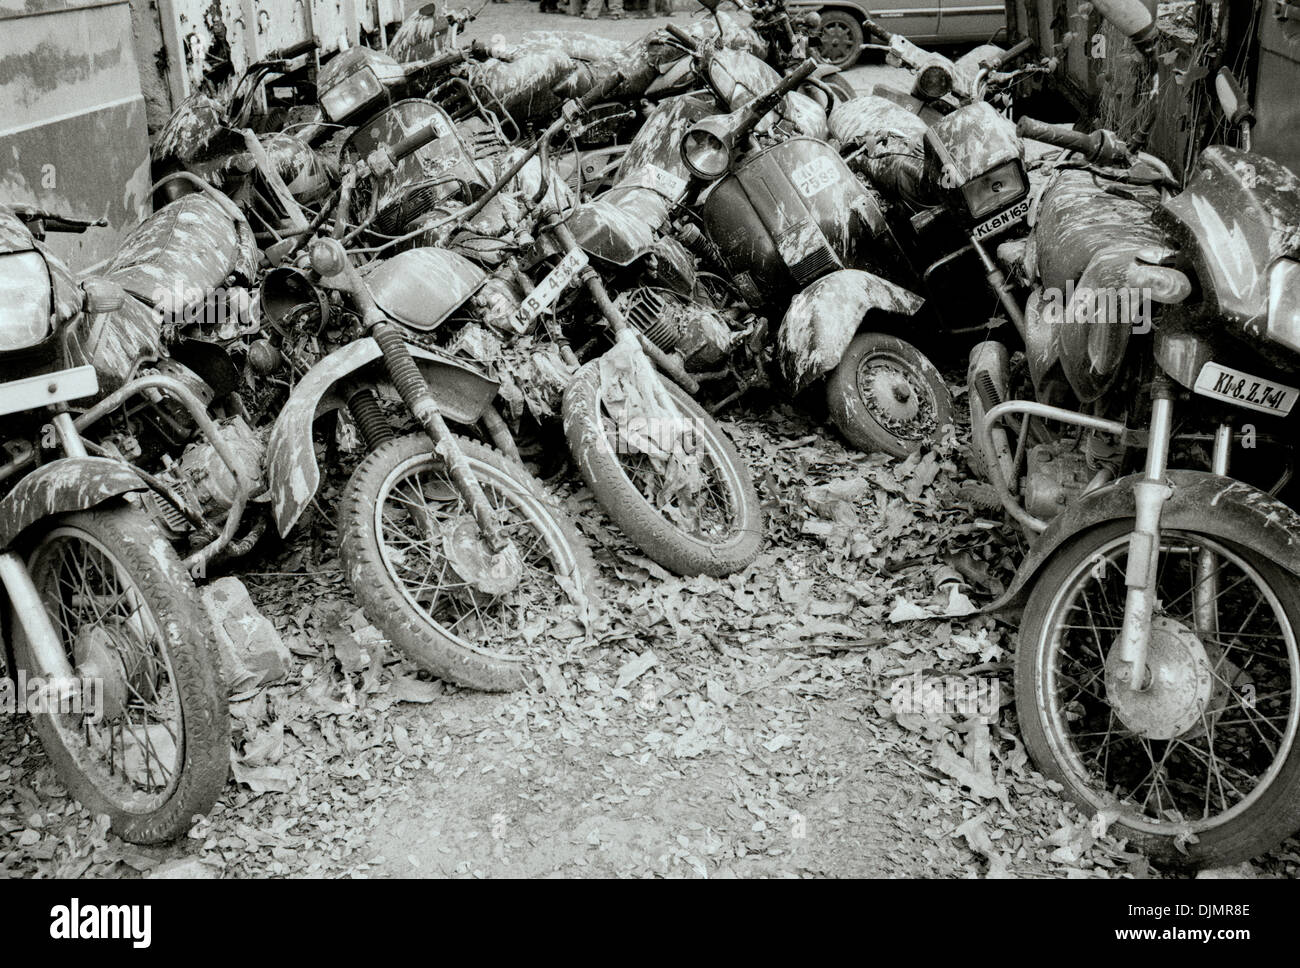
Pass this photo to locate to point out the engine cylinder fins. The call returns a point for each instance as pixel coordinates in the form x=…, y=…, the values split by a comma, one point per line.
x=647, y=311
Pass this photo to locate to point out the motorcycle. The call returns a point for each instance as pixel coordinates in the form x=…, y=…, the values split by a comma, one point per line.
x=1157, y=660
x=451, y=547
x=656, y=461
x=102, y=611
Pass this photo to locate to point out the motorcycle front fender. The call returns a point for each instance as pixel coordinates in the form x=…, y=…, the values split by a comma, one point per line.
x=1201, y=502
x=824, y=318
x=67, y=484
x=462, y=394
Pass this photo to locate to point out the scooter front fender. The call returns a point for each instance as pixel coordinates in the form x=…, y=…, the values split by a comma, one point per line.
x=462, y=393
x=1201, y=502
x=68, y=484
x=824, y=318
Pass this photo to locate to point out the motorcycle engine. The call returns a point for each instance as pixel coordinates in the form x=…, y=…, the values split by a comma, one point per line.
x=204, y=481
x=1061, y=470
x=675, y=324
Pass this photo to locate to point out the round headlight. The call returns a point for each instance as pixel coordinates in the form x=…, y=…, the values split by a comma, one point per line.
x=328, y=257
x=933, y=82
x=705, y=153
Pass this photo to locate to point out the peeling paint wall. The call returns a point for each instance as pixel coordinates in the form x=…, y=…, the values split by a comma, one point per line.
x=72, y=118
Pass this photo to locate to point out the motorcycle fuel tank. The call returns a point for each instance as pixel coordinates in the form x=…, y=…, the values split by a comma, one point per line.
x=789, y=215
x=422, y=287
x=1239, y=214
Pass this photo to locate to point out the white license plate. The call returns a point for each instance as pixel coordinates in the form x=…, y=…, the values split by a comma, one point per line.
x=34, y=392
x=812, y=176
x=1252, y=392
x=659, y=180
x=548, y=290
x=1002, y=220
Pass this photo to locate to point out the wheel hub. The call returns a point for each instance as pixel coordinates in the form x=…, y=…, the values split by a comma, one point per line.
x=99, y=656
x=1179, y=688
x=835, y=41
x=492, y=573
x=892, y=396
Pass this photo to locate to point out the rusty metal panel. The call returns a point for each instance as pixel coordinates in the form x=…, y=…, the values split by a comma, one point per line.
x=72, y=118
x=1277, y=133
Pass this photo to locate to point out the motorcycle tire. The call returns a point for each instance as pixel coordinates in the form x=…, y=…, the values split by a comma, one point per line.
x=736, y=544
x=375, y=551
x=137, y=587
x=877, y=364
x=1058, y=735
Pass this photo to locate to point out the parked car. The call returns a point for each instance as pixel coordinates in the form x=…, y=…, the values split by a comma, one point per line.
x=936, y=22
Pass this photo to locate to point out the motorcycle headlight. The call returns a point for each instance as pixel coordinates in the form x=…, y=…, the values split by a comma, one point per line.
x=25, y=310
x=995, y=190
x=705, y=152
x=933, y=82
x=354, y=92
x=1284, y=303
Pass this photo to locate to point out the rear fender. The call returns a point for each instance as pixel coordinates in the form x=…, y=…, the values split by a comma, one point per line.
x=462, y=394
x=67, y=484
x=824, y=318
x=1205, y=503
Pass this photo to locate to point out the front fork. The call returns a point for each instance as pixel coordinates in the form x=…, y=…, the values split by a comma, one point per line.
x=414, y=391
x=1149, y=496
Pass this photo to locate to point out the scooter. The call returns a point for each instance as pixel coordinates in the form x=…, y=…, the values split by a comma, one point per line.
x=106, y=630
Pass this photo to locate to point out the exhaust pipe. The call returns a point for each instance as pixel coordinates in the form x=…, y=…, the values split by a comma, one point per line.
x=987, y=385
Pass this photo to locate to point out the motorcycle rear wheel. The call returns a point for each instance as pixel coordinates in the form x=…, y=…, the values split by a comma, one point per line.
x=728, y=531
x=1232, y=773
x=129, y=617
x=407, y=585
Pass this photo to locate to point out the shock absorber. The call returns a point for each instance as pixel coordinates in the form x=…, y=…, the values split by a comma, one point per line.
x=363, y=404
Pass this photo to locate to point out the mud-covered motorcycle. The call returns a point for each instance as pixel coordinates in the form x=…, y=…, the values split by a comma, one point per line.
x=101, y=610
x=452, y=549
x=1158, y=664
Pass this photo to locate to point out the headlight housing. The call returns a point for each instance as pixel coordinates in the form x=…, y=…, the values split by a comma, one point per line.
x=995, y=189
x=353, y=93
x=25, y=310
x=1284, y=303
x=706, y=152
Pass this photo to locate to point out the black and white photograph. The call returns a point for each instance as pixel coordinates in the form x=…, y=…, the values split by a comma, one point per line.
x=650, y=439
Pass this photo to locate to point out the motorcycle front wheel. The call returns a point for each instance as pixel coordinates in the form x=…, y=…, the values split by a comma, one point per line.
x=407, y=540
x=886, y=396
x=1201, y=768
x=716, y=530
x=157, y=751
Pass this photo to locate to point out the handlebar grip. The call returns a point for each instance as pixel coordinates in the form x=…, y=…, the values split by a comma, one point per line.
x=875, y=30
x=685, y=39
x=292, y=51
x=414, y=142
x=601, y=90
x=1058, y=135
x=1231, y=95
x=1013, y=53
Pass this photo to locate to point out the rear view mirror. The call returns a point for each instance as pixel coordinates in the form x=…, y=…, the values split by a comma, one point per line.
x=711, y=5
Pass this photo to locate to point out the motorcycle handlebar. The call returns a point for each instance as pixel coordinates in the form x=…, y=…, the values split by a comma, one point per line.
x=1009, y=55
x=681, y=36
x=875, y=30
x=601, y=90
x=414, y=142
x=1058, y=135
